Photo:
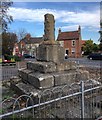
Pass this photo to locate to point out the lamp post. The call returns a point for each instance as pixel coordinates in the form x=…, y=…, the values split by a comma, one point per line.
x=100, y=39
x=100, y=32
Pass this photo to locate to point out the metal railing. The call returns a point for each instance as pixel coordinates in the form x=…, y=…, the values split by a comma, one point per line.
x=10, y=71
x=79, y=100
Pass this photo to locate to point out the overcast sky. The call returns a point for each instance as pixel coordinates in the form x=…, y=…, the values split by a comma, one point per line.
x=68, y=16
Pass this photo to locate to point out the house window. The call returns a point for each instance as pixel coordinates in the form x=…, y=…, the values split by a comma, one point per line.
x=73, y=42
x=66, y=52
x=73, y=50
x=62, y=43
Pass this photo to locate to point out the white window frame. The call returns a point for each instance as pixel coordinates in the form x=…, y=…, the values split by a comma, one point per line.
x=73, y=50
x=73, y=41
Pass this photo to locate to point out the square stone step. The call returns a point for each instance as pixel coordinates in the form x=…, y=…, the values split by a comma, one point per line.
x=41, y=81
x=49, y=67
x=23, y=88
x=23, y=74
x=26, y=89
x=66, y=66
x=43, y=67
x=61, y=78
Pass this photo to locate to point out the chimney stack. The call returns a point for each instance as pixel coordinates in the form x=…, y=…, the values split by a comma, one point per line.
x=59, y=31
x=79, y=29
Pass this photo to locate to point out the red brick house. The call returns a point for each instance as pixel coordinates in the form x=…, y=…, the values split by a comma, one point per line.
x=71, y=41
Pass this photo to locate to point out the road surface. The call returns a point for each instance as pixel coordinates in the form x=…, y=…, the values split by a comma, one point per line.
x=86, y=62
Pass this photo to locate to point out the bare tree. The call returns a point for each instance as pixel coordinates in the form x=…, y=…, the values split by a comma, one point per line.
x=21, y=34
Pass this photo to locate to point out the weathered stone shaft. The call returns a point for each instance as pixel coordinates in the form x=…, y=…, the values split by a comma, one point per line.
x=49, y=28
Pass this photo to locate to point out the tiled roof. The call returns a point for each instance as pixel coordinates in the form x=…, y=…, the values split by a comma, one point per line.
x=33, y=40
x=83, y=42
x=68, y=35
x=36, y=40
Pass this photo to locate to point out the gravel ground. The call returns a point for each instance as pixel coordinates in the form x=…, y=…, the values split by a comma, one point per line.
x=94, y=73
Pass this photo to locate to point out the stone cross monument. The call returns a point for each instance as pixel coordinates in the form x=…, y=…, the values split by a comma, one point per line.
x=50, y=50
x=50, y=69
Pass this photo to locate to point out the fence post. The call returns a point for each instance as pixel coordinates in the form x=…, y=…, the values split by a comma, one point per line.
x=18, y=65
x=82, y=99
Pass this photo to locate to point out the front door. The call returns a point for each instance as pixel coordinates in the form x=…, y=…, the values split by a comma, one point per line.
x=67, y=51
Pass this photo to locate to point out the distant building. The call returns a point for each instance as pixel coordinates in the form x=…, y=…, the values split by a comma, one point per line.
x=16, y=49
x=27, y=45
x=71, y=41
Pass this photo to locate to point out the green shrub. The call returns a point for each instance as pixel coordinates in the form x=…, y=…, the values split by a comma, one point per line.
x=12, y=58
x=17, y=58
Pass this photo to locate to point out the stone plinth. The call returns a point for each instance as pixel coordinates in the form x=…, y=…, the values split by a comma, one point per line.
x=50, y=53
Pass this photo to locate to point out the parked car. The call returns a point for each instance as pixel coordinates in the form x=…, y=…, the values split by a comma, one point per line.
x=95, y=56
x=7, y=62
x=28, y=56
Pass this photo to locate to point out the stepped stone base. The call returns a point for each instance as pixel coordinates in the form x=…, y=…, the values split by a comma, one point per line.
x=46, y=80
